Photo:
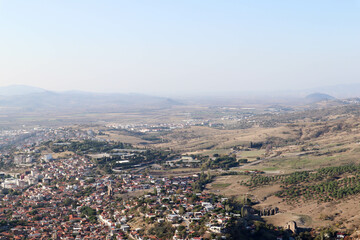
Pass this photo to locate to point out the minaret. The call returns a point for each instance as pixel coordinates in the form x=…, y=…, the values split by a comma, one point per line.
x=54, y=235
x=110, y=190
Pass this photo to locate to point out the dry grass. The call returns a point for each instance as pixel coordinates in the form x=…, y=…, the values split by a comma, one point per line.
x=200, y=138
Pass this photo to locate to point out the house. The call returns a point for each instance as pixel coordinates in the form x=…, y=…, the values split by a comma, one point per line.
x=340, y=235
x=216, y=229
x=47, y=157
x=173, y=217
x=125, y=228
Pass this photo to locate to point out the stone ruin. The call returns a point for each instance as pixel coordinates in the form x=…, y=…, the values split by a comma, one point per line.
x=291, y=226
x=269, y=211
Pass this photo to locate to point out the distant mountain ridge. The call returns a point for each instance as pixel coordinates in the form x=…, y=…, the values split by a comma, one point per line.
x=340, y=90
x=14, y=90
x=318, y=97
x=29, y=99
x=26, y=98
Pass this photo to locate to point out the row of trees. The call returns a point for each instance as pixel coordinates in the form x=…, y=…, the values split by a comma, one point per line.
x=328, y=173
x=323, y=184
x=86, y=146
x=324, y=191
x=321, y=174
x=224, y=162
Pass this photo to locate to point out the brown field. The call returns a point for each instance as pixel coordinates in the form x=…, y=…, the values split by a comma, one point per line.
x=231, y=186
x=205, y=140
x=115, y=136
x=202, y=138
x=62, y=154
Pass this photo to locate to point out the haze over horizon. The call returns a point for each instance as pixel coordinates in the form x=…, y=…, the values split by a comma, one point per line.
x=162, y=47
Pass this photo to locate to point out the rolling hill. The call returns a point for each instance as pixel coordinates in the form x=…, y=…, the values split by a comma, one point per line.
x=26, y=98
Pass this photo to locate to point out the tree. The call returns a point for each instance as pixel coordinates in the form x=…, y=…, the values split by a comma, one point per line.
x=181, y=210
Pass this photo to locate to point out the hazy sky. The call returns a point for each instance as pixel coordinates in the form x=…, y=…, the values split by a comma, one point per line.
x=153, y=46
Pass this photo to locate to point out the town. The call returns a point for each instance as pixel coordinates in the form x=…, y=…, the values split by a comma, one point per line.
x=74, y=196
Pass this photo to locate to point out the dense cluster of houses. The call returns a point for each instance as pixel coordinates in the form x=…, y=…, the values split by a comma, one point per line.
x=67, y=199
x=29, y=136
x=25, y=142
